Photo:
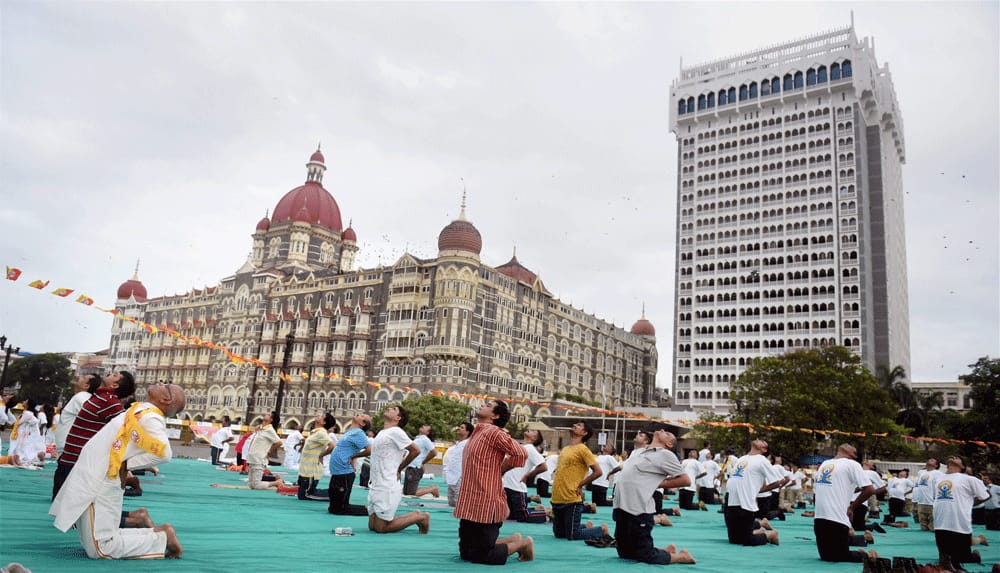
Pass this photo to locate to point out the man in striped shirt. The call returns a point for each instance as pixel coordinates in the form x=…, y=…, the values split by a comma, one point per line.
x=482, y=504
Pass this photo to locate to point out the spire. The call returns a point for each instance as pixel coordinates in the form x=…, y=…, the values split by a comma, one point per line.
x=135, y=276
x=643, y=310
x=461, y=215
x=316, y=166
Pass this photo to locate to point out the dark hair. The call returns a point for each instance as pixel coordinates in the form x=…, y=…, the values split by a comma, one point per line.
x=586, y=428
x=538, y=441
x=227, y=421
x=469, y=427
x=50, y=415
x=647, y=433
x=613, y=450
x=404, y=418
x=275, y=420
x=329, y=421
x=93, y=383
x=430, y=433
x=656, y=427
x=126, y=387
x=366, y=426
x=503, y=412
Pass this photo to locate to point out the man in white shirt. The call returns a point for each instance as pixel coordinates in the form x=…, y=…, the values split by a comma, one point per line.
x=992, y=505
x=707, y=493
x=685, y=495
x=385, y=491
x=879, y=487
x=834, y=484
x=221, y=437
x=704, y=454
x=899, y=486
x=793, y=497
x=923, y=494
x=515, y=481
x=265, y=443
x=599, y=487
x=543, y=481
x=750, y=477
x=415, y=471
x=293, y=437
x=452, y=462
x=954, y=495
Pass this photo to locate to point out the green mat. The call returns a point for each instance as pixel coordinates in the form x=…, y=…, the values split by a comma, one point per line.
x=241, y=530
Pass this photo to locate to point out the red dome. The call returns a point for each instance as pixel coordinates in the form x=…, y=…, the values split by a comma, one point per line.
x=515, y=270
x=460, y=235
x=317, y=156
x=319, y=205
x=643, y=327
x=349, y=235
x=303, y=215
x=132, y=287
x=264, y=224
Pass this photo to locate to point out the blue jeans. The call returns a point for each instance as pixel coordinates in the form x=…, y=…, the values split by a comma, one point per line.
x=566, y=522
x=519, y=509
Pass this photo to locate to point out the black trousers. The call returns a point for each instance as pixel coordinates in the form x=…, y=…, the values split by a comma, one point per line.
x=634, y=538
x=599, y=495
x=477, y=542
x=956, y=545
x=833, y=542
x=739, y=526
x=686, y=499
x=340, y=496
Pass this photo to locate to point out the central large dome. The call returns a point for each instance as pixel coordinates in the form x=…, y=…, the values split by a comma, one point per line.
x=310, y=203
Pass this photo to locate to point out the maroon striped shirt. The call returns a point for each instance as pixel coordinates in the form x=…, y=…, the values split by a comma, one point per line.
x=94, y=414
x=481, y=497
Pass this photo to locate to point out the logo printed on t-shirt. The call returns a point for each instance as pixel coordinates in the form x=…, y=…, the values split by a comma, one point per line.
x=825, y=475
x=945, y=491
x=739, y=470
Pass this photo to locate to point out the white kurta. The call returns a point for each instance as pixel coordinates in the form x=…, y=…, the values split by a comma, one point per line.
x=93, y=502
x=29, y=441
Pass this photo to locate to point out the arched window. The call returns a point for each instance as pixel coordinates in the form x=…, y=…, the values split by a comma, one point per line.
x=834, y=72
x=798, y=79
x=775, y=85
x=743, y=93
x=821, y=75
x=682, y=107
x=722, y=98
x=690, y=104
x=753, y=90
x=845, y=69
x=788, y=82
x=811, y=77
x=731, y=95
x=701, y=102
x=711, y=99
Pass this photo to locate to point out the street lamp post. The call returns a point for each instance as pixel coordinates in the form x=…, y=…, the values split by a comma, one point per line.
x=289, y=341
x=6, y=361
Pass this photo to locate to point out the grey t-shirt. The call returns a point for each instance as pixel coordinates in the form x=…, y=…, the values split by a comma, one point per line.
x=641, y=474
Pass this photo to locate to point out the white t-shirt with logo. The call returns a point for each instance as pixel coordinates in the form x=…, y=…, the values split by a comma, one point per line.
x=923, y=489
x=750, y=473
x=833, y=484
x=692, y=468
x=953, y=497
x=711, y=470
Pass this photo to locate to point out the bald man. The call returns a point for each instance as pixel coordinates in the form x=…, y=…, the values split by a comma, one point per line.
x=93, y=493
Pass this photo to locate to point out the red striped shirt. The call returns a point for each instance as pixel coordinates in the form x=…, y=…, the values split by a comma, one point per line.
x=94, y=414
x=481, y=497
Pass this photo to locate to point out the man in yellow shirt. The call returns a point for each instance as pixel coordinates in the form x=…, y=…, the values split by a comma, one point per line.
x=568, y=484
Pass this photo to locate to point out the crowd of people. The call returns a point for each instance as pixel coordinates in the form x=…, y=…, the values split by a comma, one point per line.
x=103, y=438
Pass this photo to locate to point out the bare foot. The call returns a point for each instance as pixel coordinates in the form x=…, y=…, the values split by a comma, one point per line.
x=982, y=540
x=174, y=549
x=510, y=539
x=604, y=529
x=872, y=554
x=869, y=537
x=670, y=548
x=589, y=524
x=424, y=524
x=682, y=557
x=765, y=524
x=527, y=550
x=772, y=537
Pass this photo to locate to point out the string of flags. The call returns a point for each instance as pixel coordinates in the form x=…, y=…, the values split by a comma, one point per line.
x=13, y=274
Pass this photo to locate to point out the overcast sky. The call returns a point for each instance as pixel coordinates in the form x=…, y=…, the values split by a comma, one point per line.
x=165, y=131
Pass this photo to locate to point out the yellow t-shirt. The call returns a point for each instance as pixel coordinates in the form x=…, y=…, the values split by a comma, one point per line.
x=574, y=461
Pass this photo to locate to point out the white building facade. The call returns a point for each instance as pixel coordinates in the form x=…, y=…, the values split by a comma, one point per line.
x=790, y=227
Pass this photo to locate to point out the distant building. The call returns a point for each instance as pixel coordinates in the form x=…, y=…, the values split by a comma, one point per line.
x=451, y=324
x=957, y=394
x=790, y=227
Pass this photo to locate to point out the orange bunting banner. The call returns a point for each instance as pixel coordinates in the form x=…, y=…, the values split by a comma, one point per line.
x=13, y=274
x=85, y=300
x=38, y=284
x=63, y=292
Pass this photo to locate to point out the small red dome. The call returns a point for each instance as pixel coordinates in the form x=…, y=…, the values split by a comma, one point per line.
x=317, y=201
x=643, y=327
x=317, y=156
x=264, y=224
x=460, y=235
x=132, y=287
x=349, y=235
x=515, y=270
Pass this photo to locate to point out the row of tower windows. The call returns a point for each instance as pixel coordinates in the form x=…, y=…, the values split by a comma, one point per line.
x=772, y=86
x=765, y=344
x=767, y=311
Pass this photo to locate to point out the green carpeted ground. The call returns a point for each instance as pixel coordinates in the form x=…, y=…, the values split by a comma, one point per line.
x=240, y=530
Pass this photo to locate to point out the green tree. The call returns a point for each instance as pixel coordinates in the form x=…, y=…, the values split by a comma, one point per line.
x=43, y=377
x=720, y=437
x=982, y=421
x=825, y=388
x=442, y=413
